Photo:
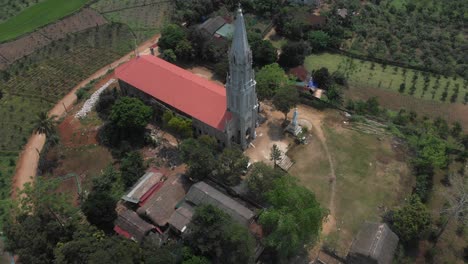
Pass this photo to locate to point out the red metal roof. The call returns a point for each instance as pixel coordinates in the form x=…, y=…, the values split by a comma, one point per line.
x=183, y=90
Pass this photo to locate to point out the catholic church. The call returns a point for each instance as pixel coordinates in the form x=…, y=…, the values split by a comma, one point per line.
x=228, y=113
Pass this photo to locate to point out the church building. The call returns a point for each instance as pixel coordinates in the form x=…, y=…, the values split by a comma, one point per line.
x=228, y=113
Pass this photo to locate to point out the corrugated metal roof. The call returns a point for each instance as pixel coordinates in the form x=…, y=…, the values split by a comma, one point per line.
x=129, y=223
x=182, y=217
x=212, y=24
x=144, y=184
x=202, y=193
x=181, y=89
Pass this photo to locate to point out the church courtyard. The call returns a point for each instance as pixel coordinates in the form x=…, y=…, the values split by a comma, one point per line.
x=345, y=168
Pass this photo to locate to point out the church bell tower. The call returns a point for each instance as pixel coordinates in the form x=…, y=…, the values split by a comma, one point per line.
x=240, y=87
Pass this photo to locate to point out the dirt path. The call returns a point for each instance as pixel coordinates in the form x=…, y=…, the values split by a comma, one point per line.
x=316, y=118
x=28, y=160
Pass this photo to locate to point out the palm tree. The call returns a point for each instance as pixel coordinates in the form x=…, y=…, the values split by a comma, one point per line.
x=45, y=124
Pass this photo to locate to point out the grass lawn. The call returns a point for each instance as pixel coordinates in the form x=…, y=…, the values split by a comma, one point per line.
x=374, y=75
x=371, y=177
x=37, y=16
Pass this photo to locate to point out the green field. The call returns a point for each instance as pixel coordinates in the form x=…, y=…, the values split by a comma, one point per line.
x=373, y=75
x=370, y=177
x=37, y=16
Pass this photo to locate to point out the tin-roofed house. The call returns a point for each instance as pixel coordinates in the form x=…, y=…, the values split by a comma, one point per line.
x=211, y=25
x=202, y=193
x=162, y=204
x=144, y=187
x=131, y=226
x=374, y=244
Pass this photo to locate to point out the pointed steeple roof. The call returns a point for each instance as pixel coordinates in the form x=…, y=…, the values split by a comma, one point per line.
x=240, y=46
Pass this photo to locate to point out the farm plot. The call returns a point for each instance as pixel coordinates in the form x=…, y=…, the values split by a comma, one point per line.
x=405, y=81
x=143, y=17
x=49, y=76
x=14, y=50
x=37, y=16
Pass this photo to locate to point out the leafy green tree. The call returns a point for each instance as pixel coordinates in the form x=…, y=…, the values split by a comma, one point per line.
x=230, y=165
x=267, y=7
x=182, y=127
x=293, y=219
x=275, y=154
x=293, y=54
x=286, y=97
x=411, y=220
x=318, y=40
x=269, y=79
x=45, y=124
x=323, y=78
x=261, y=180
x=169, y=55
x=264, y=53
x=130, y=113
x=42, y=219
x=184, y=50
x=213, y=233
x=132, y=168
x=99, y=208
x=335, y=95
x=171, y=36
x=199, y=156
x=433, y=149
x=92, y=246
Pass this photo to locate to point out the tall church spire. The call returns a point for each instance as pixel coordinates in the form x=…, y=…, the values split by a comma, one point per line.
x=240, y=87
x=240, y=46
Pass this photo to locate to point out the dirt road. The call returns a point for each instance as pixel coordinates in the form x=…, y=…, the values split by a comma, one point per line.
x=28, y=160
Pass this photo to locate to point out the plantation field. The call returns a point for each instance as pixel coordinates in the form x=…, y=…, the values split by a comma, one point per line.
x=406, y=81
x=144, y=17
x=37, y=16
x=25, y=45
x=51, y=75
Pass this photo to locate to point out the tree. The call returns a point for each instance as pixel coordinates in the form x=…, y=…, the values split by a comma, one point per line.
x=169, y=55
x=261, y=180
x=318, y=40
x=411, y=220
x=286, y=98
x=335, y=95
x=45, y=124
x=264, y=53
x=433, y=149
x=184, y=50
x=171, y=36
x=99, y=209
x=132, y=168
x=269, y=79
x=213, y=233
x=199, y=157
x=275, y=154
x=293, y=219
x=456, y=130
x=230, y=165
x=180, y=126
x=130, y=113
x=323, y=78
x=92, y=246
x=293, y=54
x=42, y=218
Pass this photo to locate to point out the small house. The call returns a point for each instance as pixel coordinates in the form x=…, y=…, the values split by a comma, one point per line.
x=131, y=226
x=144, y=187
x=374, y=244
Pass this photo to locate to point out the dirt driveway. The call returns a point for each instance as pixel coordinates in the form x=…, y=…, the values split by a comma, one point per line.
x=28, y=160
